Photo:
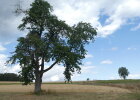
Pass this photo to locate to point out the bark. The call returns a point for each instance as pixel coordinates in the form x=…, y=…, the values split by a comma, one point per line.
x=38, y=82
x=124, y=77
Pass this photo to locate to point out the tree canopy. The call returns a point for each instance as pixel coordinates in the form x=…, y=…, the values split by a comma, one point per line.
x=9, y=77
x=49, y=40
x=123, y=72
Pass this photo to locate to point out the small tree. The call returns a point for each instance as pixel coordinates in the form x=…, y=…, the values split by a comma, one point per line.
x=87, y=79
x=123, y=72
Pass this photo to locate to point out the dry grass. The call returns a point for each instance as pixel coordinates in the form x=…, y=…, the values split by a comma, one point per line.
x=62, y=88
x=132, y=87
x=67, y=92
x=67, y=96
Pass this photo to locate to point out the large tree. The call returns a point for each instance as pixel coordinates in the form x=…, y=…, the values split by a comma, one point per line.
x=123, y=72
x=49, y=40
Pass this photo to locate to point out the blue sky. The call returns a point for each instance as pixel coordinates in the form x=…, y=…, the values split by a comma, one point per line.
x=117, y=43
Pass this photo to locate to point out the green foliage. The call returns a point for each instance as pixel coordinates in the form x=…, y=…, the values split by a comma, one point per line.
x=49, y=40
x=68, y=73
x=87, y=79
x=123, y=72
x=9, y=77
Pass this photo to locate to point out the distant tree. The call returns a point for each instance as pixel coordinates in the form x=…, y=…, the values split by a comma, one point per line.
x=87, y=79
x=49, y=40
x=123, y=72
x=9, y=77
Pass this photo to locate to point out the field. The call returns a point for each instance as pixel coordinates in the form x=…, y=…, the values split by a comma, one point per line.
x=91, y=90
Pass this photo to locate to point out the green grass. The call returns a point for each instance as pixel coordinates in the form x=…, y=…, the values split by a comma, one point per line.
x=97, y=82
x=117, y=81
x=105, y=82
x=10, y=83
x=20, y=83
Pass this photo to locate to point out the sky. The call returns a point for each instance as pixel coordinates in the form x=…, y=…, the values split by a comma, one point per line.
x=117, y=44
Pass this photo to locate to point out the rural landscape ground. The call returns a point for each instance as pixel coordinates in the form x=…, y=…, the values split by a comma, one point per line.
x=84, y=90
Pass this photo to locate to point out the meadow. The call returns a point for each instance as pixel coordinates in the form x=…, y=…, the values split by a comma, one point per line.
x=84, y=90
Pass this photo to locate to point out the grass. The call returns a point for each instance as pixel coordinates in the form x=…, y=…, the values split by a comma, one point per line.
x=69, y=96
x=19, y=83
x=133, y=85
x=91, y=90
x=117, y=81
x=100, y=82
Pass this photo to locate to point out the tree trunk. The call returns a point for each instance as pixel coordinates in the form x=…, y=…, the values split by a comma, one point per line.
x=124, y=77
x=38, y=82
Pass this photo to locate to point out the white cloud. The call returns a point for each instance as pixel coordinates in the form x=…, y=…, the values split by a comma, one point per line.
x=2, y=48
x=118, y=13
x=55, y=78
x=7, y=69
x=88, y=63
x=106, y=62
x=134, y=76
x=89, y=56
x=135, y=28
x=14, y=68
x=131, y=48
x=113, y=78
x=55, y=74
x=2, y=60
x=87, y=69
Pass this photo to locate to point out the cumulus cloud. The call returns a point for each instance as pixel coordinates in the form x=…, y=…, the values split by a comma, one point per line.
x=7, y=69
x=106, y=62
x=88, y=63
x=134, y=76
x=2, y=59
x=135, y=28
x=88, y=56
x=2, y=48
x=9, y=23
x=118, y=13
x=55, y=74
x=87, y=69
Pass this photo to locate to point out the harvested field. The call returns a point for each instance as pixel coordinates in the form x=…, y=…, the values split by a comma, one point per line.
x=63, y=88
x=16, y=91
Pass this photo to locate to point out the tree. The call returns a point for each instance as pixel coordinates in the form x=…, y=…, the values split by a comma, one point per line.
x=87, y=79
x=9, y=77
x=49, y=40
x=123, y=72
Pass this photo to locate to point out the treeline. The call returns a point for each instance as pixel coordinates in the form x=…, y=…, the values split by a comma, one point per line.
x=9, y=77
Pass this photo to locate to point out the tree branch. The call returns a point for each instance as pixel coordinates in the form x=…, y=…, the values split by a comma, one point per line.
x=51, y=66
x=42, y=63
